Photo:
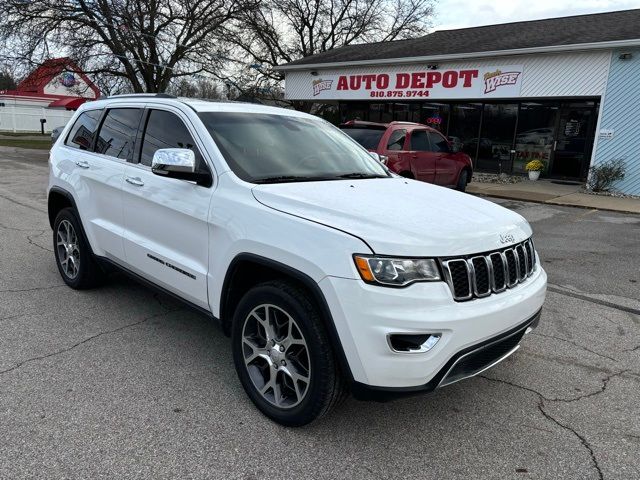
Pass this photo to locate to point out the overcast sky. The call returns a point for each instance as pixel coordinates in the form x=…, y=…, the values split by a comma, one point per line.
x=460, y=13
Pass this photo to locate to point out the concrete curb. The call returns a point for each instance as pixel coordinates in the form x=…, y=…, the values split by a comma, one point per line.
x=560, y=200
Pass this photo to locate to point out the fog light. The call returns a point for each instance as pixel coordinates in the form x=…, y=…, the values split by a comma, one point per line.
x=419, y=343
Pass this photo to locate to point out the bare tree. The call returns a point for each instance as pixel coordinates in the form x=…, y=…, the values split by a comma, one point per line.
x=7, y=81
x=281, y=31
x=147, y=43
x=196, y=88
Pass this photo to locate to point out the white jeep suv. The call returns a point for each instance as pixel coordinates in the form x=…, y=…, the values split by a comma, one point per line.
x=330, y=274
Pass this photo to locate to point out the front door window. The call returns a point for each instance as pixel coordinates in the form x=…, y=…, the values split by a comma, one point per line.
x=574, y=140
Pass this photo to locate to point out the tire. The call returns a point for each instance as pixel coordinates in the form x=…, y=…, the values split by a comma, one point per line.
x=462, y=181
x=74, y=258
x=270, y=360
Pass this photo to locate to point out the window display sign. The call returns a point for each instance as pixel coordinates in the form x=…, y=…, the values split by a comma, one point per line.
x=486, y=82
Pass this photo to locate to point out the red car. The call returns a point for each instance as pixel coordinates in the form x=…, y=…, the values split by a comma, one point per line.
x=415, y=151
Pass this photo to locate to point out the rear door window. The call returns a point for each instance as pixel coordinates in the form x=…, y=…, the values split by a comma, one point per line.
x=438, y=143
x=83, y=130
x=166, y=130
x=396, y=140
x=369, y=138
x=419, y=141
x=118, y=133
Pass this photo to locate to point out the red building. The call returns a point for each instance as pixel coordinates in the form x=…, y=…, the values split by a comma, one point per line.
x=56, y=83
x=51, y=92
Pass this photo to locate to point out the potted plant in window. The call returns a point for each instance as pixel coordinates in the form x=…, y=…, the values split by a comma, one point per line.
x=534, y=167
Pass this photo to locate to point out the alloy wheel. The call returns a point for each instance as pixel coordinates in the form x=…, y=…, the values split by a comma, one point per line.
x=68, y=249
x=276, y=356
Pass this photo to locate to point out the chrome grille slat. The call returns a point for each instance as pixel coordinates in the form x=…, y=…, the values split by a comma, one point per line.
x=455, y=278
x=512, y=267
x=498, y=286
x=522, y=262
x=481, y=275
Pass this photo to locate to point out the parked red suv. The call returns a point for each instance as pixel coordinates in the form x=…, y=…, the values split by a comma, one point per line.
x=415, y=151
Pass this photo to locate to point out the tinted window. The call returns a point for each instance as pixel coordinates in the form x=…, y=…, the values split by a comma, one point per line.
x=438, y=142
x=419, y=141
x=118, y=132
x=166, y=130
x=82, y=132
x=369, y=138
x=281, y=148
x=396, y=140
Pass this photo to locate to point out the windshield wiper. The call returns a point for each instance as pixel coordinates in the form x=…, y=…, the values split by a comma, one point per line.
x=361, y=175
x=302, y=178
x=288, y=178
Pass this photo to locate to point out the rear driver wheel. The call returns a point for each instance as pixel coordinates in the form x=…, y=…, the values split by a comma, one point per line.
x=74, y=259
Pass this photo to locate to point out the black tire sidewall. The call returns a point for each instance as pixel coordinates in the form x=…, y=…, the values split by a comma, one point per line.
x=462, y=181
x=321, y=358
x=86, y=257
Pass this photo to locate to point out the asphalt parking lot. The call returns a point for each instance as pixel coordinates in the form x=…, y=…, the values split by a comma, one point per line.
x=122, y=382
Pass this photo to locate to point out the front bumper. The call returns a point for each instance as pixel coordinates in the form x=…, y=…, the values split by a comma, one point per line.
x=365, y=314
x=465, y=364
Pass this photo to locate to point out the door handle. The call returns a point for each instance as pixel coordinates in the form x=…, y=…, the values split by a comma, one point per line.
x=82, y=163
x=135, y=181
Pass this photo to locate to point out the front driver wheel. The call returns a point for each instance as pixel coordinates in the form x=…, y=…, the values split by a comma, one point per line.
x=283, y=356
x=462, y=181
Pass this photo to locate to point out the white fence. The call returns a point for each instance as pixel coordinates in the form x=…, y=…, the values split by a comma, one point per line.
x=27, y=119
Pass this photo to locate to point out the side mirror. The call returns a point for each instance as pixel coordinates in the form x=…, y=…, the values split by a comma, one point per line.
x=379, y=158
x=178, y=163
x=453, y=145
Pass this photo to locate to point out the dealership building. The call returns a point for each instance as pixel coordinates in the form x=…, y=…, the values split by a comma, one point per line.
x=562, y=90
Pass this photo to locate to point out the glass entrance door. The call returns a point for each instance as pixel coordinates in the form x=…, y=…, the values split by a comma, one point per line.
x=574, y=140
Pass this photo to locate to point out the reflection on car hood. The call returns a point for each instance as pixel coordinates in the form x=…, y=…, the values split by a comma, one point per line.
x=397, y=216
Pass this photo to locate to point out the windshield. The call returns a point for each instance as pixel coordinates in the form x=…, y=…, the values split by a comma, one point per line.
x=265, y=148
x=369, y=138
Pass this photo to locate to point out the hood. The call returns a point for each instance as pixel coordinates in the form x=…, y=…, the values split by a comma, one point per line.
x=397, y=216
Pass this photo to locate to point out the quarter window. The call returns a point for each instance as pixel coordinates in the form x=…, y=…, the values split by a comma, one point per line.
x=396, y=140
x=419, y=141
x=166, y=130
x=438, y=143
x=118, y=133
x=83, y=130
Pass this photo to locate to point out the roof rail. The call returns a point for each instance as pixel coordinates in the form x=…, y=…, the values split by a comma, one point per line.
x=400, y=122
x=138, y=95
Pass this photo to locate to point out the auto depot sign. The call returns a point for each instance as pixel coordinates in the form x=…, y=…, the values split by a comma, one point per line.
x=487, y=82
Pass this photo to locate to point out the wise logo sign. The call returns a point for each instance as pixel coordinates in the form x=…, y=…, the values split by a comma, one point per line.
x=320, y=85
x=494, y=80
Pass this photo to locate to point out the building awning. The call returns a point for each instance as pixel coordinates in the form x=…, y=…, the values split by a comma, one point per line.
x=68, y=103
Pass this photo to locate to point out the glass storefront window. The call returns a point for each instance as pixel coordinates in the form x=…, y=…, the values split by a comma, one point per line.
x=436, y=115
x=381, y=112
x=496, y=137
x=464, y=124
x=354, y=111
x=535, y=137
x=401, y=112
x=501, y=136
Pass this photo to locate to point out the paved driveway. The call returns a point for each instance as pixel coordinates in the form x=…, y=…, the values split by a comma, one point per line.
x=122, y=382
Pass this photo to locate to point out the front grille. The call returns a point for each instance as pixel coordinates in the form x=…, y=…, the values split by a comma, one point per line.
x=477, y=276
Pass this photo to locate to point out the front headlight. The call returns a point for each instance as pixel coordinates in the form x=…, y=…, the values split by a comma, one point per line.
x=396, y=272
